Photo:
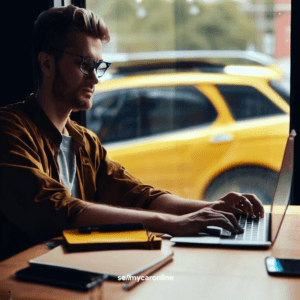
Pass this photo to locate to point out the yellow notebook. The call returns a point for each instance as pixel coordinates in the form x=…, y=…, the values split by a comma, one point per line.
x=100, y=237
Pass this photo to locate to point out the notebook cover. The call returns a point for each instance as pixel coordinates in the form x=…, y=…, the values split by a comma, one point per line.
x=95, y=240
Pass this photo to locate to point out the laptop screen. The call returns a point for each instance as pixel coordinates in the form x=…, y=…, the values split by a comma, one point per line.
x=283, y=188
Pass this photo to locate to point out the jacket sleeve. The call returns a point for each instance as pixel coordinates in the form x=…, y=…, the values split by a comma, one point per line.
x=29, y=197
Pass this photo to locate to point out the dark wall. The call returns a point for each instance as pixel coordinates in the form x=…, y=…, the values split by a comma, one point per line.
x=16, y=61
x=16, y=66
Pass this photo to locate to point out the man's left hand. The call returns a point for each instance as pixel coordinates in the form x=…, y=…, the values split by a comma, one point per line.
x=238, y=203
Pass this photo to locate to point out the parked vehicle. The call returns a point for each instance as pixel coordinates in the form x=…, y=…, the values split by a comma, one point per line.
x=195, y=129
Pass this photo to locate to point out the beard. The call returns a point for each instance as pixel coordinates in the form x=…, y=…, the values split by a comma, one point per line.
x=69, y=98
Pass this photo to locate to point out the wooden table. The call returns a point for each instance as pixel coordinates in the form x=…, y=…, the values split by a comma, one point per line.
x=199, y=273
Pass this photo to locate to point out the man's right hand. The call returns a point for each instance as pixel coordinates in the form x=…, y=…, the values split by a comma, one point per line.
x=190, y=224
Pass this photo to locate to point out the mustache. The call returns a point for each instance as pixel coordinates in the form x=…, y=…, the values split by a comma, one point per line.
x=88, y=87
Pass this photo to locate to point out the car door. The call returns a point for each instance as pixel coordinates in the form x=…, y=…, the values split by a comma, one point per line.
x=168, y=122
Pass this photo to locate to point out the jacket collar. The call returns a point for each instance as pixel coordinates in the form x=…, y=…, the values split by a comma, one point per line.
x=44, y=124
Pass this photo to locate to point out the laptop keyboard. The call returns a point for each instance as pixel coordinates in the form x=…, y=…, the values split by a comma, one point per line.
x=254, y=229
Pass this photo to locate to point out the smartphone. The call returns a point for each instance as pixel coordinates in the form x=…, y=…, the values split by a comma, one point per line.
x=283, y=266
x=67, y=278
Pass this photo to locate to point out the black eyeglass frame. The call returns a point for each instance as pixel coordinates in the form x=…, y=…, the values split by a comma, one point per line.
x=96, y=64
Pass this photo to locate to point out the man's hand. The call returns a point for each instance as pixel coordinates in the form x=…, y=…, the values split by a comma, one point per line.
x=183, y=217
x=237, y=203
x=190, y=224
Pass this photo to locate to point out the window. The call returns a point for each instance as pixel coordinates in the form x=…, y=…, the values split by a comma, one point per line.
x=281, y=90
x=128, y=114
x=246, y=102
x=233, y=33
x=114, y=116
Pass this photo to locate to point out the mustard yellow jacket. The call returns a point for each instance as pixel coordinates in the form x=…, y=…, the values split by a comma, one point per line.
x=34, y=204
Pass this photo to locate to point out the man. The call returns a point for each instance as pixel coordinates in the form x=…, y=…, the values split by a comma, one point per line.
x=56, y=174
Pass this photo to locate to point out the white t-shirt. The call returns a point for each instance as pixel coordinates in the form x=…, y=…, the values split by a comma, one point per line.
x=67, y=165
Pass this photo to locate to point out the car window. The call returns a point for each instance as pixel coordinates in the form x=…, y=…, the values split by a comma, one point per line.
x=192, y=108
x=166, y=109
x=113, y=116
x=281, y=90
x=246, y=102
x=123, y=115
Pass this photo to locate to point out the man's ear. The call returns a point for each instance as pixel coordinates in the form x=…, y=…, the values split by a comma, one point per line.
x=47, y=64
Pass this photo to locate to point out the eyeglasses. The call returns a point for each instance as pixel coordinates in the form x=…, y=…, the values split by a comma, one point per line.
x=88, y=65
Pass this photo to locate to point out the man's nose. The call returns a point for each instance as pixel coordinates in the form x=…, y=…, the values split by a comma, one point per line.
x=93, y=78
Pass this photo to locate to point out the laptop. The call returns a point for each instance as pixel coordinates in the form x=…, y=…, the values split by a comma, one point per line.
x=258, y=232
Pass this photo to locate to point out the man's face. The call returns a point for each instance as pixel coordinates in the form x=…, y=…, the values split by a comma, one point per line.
x=71, y=88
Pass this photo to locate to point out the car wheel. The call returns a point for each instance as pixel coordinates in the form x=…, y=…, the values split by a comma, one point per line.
x=248, y=179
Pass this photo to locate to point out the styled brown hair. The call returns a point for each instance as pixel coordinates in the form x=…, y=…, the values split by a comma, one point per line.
x=53, y=28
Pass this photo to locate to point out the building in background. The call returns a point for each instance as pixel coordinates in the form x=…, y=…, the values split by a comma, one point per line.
x=282, y=20
x=282, y=28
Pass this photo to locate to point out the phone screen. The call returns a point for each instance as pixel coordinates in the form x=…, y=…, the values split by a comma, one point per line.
x=280, y=266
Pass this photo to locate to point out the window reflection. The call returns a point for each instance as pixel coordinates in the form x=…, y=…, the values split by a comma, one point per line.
x=197, y=98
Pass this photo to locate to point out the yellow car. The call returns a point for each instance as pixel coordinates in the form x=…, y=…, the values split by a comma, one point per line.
x=197, y=134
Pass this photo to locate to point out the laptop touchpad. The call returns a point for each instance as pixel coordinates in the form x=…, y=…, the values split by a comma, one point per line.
x=197, y=240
